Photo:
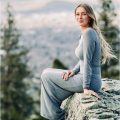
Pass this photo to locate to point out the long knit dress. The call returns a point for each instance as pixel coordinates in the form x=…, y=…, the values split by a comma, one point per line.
x=87, y=75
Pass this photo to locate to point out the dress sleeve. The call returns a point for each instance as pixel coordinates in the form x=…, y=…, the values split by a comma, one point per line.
x=88, y=50
x=76, y=69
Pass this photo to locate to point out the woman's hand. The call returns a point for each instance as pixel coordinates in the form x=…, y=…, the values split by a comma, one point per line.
x=91, y=92
x=67, y=74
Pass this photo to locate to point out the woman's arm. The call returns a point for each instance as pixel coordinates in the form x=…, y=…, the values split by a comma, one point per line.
x=76, y=69
x=88, y=50
x=69, y=73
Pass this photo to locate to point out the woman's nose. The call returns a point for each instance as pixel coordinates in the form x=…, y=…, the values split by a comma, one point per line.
x=80, y=16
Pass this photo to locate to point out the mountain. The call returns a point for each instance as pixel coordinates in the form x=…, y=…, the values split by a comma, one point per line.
x=58, y=6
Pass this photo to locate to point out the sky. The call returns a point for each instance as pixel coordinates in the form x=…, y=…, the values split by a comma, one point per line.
x=29, y=12
x=33, y=4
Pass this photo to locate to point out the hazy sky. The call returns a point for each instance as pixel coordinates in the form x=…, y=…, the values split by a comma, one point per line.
x=23, y=5
x=29, y=12
x=26, y=4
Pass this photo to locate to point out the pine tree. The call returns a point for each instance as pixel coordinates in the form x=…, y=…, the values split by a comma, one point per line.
x=16, y=104
x=110, y=32
x=58, y=64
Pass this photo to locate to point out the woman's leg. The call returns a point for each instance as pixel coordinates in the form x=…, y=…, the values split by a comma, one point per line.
x=54, y=90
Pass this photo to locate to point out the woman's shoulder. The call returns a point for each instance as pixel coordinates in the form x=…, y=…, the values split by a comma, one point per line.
x=90, y=33
x=89, y=30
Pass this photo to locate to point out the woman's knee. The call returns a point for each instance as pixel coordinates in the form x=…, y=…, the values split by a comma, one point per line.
x=45, y=73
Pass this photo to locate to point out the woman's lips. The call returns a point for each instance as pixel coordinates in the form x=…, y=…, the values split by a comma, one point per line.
x=80, y=21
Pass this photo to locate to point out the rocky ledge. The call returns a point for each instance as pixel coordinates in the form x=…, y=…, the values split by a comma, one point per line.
x=82, y=107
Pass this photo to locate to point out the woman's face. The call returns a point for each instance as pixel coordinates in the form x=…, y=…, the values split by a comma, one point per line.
x=82, y=17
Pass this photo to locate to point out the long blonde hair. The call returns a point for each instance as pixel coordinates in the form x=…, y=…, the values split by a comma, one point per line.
x=106, y=50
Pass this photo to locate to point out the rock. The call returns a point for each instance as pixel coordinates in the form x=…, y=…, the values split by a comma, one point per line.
x=84, y=107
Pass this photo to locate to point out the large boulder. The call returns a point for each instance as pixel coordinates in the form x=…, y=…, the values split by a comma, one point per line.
x=84, y=107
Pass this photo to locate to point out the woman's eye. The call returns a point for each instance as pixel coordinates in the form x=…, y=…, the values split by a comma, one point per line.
x=77, y=14
x=81, y=14
x=84, y=14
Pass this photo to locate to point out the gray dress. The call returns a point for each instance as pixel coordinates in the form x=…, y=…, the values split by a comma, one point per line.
x=87, y=75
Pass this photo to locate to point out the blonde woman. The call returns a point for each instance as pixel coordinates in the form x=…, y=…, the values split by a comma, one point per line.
x=58, y=84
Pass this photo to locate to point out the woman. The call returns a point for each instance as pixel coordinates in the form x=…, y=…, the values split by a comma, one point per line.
x=57, y=84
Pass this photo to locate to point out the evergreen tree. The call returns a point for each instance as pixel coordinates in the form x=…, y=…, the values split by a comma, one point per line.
x=58, y=64
x=110, y=32
x=16, y=104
